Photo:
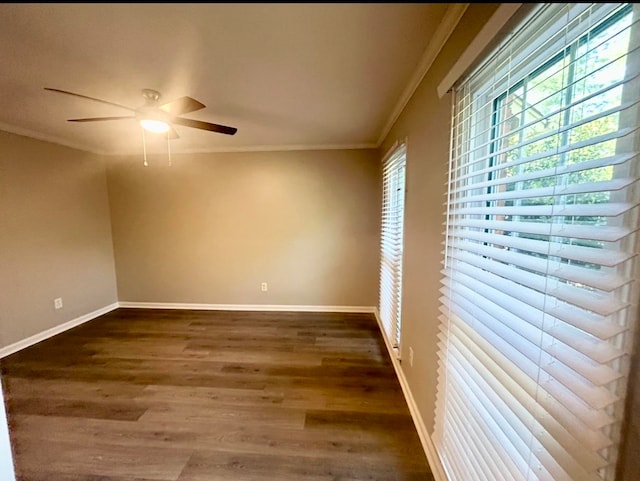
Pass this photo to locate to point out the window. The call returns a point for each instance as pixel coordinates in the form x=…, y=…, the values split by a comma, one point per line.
x=393, y=187
x=538, y=297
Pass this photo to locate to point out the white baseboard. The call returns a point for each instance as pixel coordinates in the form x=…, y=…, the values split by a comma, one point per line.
x=41, y=336
x=246, y=307
x=427, y=444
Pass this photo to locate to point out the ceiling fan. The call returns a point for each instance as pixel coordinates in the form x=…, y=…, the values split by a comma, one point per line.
x=156, y=117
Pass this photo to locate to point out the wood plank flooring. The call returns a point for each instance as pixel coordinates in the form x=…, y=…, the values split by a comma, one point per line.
x=174, y=395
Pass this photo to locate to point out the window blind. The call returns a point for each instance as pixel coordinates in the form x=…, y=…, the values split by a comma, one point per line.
x=539, y=296
x=393, y=189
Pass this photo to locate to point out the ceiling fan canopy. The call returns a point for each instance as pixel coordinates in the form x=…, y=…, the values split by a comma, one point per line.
x=157, y=117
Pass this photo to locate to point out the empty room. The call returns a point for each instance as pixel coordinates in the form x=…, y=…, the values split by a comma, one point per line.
x=319, y=242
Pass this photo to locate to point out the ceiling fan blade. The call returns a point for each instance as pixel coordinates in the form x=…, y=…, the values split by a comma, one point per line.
x=90, y=98
x=183, y=105
x=198, y=124
x=98, y=119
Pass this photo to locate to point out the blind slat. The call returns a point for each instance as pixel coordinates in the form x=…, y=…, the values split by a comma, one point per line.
x=520, y=411
x=527, y=336
x=536, y=174
x=581, y=210
x=598, y=302
x=594, y=396
x=601, y=255
x=572, y=325
x=553, y=191
x=597, y=278
x=582, y=421
x=569, y=231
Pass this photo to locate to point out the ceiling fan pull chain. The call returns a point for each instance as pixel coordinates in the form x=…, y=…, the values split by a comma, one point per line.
x=144, y=148
x=169, y=148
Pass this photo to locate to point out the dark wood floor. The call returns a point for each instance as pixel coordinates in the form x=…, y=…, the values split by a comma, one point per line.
x=168, y=395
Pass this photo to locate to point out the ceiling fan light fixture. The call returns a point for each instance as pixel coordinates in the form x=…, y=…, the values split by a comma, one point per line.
x=155, y=126
x=157, y=118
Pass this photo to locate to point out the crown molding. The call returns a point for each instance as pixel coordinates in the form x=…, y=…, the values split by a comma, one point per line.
x=252, y=148
x=264, y=148
x=451, y=18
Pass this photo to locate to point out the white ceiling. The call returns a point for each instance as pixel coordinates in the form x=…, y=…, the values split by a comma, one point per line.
x=286, y=75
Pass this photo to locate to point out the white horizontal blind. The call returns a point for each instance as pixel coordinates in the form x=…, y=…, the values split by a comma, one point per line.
x=393, y=187
x=539, y=283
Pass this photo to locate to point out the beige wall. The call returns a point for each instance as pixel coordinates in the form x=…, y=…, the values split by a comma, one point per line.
x=212, y=227
x=425, y=122
x=55, y=236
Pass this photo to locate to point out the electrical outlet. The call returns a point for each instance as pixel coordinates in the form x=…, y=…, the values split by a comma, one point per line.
x=411, y=356
x=264, y=287
x=57, y=303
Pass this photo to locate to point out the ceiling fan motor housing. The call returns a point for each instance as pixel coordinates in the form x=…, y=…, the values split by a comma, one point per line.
x=150, y=95
x=151, y=111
